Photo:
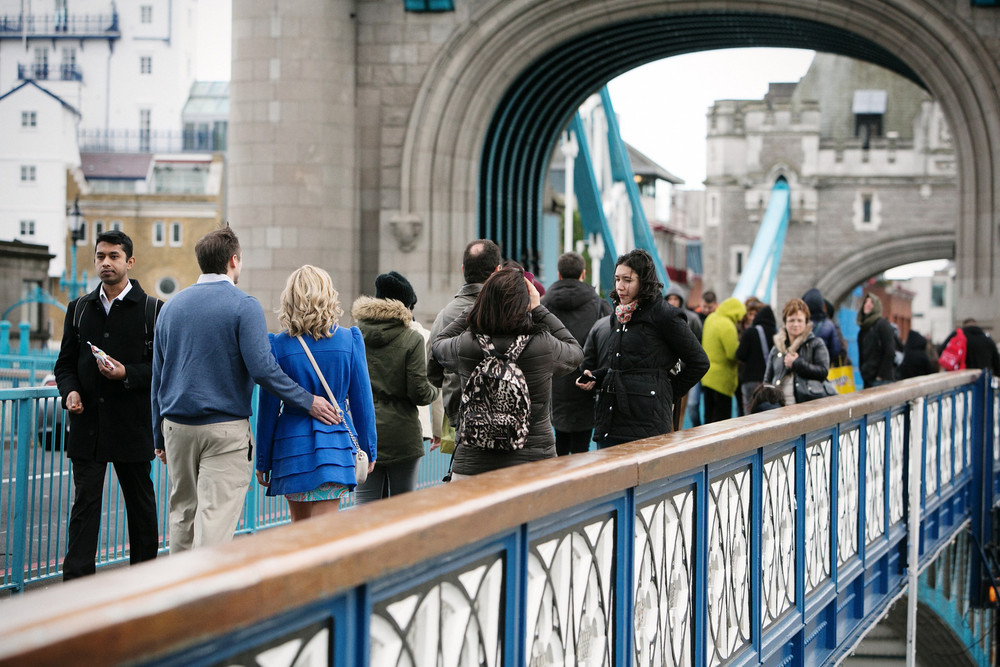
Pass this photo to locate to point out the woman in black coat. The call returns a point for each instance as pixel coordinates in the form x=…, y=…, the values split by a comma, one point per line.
x=640, y=357
x=916, y=360
x=755, y=345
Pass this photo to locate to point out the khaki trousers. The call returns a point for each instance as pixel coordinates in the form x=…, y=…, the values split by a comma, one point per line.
x=210, y=472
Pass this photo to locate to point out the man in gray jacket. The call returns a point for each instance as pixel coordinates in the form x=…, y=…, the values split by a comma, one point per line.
x=578, y=306
x=481, y=258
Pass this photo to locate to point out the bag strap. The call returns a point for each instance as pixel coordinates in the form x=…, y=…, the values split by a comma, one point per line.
x=763, y=342
x=153, y=306
x=329, y=392
x=77, y=318
x=517, y=347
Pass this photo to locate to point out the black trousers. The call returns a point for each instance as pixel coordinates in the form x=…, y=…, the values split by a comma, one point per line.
x=573, y=442
x=718, y=407
x=85, y=517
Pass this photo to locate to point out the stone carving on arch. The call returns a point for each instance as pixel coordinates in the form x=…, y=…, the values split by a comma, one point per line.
x=851, y=270
x=454, y=106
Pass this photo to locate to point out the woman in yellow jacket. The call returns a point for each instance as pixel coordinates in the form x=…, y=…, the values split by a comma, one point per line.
x=721, y=338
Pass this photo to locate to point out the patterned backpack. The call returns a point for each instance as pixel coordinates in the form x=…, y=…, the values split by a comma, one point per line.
x=496, y=406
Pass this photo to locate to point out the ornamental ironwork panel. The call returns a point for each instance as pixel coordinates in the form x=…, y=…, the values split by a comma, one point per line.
x=454, y=620
x=664, y=580
x=897, y=468
x=817, y=519
x=848, y=492
x=947, y=452
x=961, y=434
x=875, y=481
x=728, y=565
x=931, y=448
x=570, y=599
x=996, y=428
x=308, y=646
x=777, y=543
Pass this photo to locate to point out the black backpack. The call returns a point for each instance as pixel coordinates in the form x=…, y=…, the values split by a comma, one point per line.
x=496, y=406
x=152, y=311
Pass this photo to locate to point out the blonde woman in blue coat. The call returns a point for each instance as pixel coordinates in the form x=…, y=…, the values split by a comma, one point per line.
x=309, y=463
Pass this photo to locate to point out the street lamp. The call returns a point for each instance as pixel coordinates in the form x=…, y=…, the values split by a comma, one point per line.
x=77, y=232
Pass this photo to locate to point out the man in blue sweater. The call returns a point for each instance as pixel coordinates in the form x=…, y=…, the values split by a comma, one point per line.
x=210, y=347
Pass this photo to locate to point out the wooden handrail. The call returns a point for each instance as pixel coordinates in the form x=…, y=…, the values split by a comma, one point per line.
x=151, y=609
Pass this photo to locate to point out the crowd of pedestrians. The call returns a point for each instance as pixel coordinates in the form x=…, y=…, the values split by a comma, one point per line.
x=513, y=373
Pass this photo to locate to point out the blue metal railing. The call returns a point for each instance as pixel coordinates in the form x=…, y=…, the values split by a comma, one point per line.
x=36, y=494
x=777, y=538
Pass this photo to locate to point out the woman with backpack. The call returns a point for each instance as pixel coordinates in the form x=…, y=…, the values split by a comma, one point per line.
x=755, y=346
x=640, y=357
x=505, y=348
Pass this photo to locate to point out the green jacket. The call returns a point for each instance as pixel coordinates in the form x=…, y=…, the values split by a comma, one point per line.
x=398, y=370
x=720, y=338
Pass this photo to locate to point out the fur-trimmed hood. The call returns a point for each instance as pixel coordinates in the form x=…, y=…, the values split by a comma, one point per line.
x=781, y=337
x=380, y=320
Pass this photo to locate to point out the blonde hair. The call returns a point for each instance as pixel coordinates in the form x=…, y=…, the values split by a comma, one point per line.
x=309, y=303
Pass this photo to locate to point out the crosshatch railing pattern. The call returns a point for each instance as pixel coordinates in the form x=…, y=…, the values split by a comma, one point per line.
x=775, y=538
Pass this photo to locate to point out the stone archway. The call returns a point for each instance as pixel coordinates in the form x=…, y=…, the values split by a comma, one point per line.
x=440, y=173
x=850, y=271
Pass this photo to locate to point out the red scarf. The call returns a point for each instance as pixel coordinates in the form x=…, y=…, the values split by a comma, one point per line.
x=624, y=311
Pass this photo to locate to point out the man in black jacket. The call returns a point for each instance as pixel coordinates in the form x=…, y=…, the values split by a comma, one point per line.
x=109, y=404
x=578, y=306
x=980, y=350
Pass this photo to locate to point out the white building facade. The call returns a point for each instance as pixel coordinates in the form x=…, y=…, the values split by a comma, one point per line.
x=104, y=76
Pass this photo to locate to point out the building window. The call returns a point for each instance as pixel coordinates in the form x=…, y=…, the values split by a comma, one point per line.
x=98, y=228
x=115, y=226
x=429, y=5
x=737, y=261
x=29, y=119
x=175, y=234
x=27, y=228
x=146, y=13
x=41, y=64
x=145, y=64
x=166, y=286
x=27, y=173
x=159, y=233
x=145, y=125
x=866, y=209
x=937, y=295
x=868, y=108
x=69, y=72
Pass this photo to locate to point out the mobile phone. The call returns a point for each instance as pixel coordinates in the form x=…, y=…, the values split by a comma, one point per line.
x=584, y=379
x=101, y=356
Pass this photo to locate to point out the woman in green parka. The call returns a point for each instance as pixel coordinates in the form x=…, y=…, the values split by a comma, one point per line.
x=398, y=370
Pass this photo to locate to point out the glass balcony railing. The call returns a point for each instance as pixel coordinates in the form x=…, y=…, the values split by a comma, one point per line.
x=149, y=141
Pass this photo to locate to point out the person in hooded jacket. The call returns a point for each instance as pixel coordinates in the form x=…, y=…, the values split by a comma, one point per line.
x=398, y=372
x=578, y=306
x=755, y=346
x=823, y=327
x=916, y=360
x=980, y=350
x=721, y=338
x=508, y=306
x=640, y=357
x=798, y=354
x=876, y=343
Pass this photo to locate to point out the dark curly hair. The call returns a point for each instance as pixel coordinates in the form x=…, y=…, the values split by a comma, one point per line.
x=501, y=308
x=650, y=287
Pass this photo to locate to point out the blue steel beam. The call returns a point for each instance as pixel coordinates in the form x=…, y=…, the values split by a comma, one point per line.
x=765, y=256
x=621, y=170
x=588, y=199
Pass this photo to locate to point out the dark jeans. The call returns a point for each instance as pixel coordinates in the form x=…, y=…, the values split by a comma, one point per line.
x=387, y=479
x=85, y=517
x=573, y=442
x=718, y=407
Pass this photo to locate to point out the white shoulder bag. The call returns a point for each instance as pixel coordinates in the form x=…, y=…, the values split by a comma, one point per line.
x=360, y=457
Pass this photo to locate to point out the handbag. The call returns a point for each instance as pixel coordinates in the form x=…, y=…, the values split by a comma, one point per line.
x=809, y=389
x=360, y=456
